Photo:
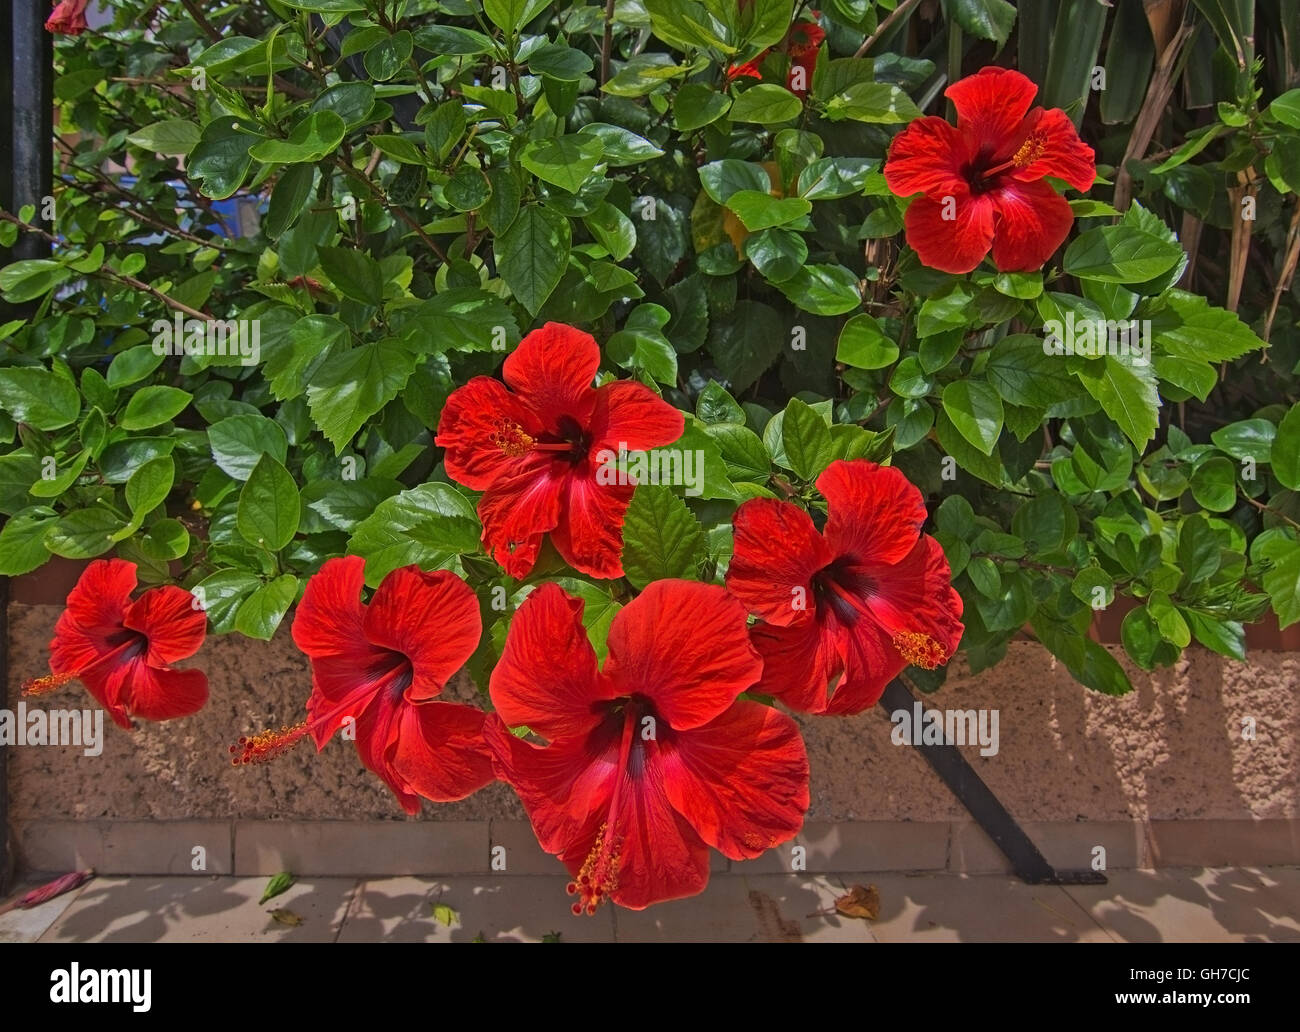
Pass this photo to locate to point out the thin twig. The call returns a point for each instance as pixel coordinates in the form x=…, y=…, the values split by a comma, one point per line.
x=901, y=11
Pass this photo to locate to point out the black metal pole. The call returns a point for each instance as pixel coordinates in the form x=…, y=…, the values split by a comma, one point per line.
x=26, y=177
x=1028, y=863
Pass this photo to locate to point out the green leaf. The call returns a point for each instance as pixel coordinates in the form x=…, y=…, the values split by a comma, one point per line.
x=1127, y=394
x=533, y=254
x=429, y=525
x=721, y=179
x=760, y=210
x=132, y=365
x=823, y=289
x=878, y=102
x=150, y=485
x=354, y=273
x=278, y=883
x=1281, y=551
x=389, y=56
x=352, y=386
x=829, y=178
x=1023, y=374
x=1120, y=254
x=83, y=534
x=807, y=441
x=976, y=411
x=153, y=406
x=316, y=136
x=512, y=15
x=269, y=509
x=563, y=161
x=34, y=395
x=984, y=19
x=239, y=442
x=1286, y=108
x=261, y=612
x=222, y=157
x=661, y=538
x=220, y=595
x=1214, y=484
x=30, y=278
x=1188, y=326
x=747, y=343
x=697, y=105
x=22, y=541
x=621, y=146
x=766, y=104
x=172, y=136
x=1286, y=449
x=864, y=344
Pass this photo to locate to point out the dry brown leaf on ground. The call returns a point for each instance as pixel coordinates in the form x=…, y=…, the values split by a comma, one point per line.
x=860, y=901
x=286, y=917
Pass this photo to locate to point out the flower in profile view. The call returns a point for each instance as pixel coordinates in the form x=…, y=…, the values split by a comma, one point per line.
x=652, y=759
x=531, y=446
x=844, y=610
x=378, y=669
x=68, y=18
x=981, y=183
x=122, y=650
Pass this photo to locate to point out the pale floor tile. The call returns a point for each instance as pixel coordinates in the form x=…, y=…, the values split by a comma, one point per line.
x=987, y=908
x=1196, y=904
x=29, y=925
x=513, y=908
x=179, y=909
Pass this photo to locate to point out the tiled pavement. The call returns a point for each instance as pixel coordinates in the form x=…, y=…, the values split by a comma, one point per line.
x=1171, y=904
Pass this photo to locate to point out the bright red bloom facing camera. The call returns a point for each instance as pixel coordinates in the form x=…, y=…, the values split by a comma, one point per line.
x=846, y=609
x=652, y=759
x=531, y=446
x=122, y=650
x=981, y=182
x=378, y=669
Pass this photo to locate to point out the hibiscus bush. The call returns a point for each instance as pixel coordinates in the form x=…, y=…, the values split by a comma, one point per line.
x=665, y=363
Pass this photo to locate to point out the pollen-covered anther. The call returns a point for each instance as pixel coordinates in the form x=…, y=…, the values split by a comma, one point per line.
x=598, y=878
x=48, y=683
x=1030, y=151
x=511, y=438
x=920, y=650
x=266, y=745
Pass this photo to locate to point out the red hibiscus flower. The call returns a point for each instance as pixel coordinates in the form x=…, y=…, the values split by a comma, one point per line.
x=802, y=42
x=981, y=182
x=844, y=610
x=376, y=668
x=122, y=650
x=653, y=759
x=533, y=451
x=68, y=18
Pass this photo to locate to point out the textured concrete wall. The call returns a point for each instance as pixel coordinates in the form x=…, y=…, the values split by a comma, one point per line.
x=1173, y=749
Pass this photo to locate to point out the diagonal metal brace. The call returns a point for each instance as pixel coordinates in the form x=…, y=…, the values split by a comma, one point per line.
x=1029, y=864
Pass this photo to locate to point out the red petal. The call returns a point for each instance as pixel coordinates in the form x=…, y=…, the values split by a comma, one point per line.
x=927, y=157
x=991, y=104
x=166, y=615
x=483, y=427
x=431, y=618
x=564, y=787
x=94, y=610
x=685, y=646
x=590, y=533
x=799, y=662
x=740, y=780
x=777, y=550
x=440, y=751
x=632, y=415
x=519, y=509
x=875, y=512
x=546, y=678
x=1059, y=150
x=745, y=71
x=153, y=694
x=955, y=245
x=870, y=662
x=1033, y=222
x=106, y=689
x=552, y=370
x=660, y=856
x=378, y=728
x=346, y=670
x=916, y=595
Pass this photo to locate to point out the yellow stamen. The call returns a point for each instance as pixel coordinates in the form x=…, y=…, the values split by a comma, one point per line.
x=48, y=683
x=1030, y=151
x=266, y=745
x=920, y=650
x=511, y=438
x=598, y=877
